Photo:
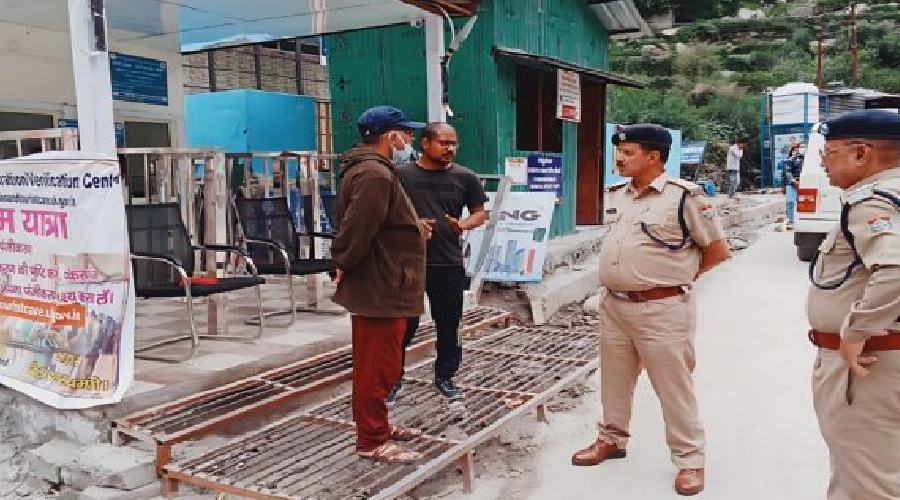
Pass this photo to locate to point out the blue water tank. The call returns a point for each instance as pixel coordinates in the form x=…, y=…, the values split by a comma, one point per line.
x=708, y=187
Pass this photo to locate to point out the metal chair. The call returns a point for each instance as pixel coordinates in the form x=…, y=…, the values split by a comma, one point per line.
x=163, y=261
x=267, y=222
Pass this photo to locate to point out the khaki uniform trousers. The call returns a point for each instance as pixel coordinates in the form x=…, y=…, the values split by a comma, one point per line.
x=860, y=421
x=658, y=336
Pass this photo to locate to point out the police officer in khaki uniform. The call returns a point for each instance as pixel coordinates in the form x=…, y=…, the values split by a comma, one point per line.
x=663, y=234
x=853, y=308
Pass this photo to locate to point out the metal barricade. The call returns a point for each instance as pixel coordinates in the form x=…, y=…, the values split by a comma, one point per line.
x=196, y=179
x=295, y=175
x=25, y=142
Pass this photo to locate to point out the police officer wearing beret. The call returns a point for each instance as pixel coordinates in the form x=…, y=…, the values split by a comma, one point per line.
x=663, y=233
x=853, y=308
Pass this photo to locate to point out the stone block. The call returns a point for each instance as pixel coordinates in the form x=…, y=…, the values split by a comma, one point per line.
x=114, y=466
x=47, y=461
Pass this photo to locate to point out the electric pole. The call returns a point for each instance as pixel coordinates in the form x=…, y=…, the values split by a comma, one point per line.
x=819, y=16
x=854, y=52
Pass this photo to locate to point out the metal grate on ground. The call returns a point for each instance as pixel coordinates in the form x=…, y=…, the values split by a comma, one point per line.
x=497, y=371
x=419, y=406
x=562, y=344
x=500, y=387
x=201, y=413
x=297, y=457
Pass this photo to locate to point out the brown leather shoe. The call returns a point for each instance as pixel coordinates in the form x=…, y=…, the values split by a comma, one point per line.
x=597, y=453
x=689, y=482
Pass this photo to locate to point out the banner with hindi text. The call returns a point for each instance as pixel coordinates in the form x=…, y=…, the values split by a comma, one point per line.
x=66, y=297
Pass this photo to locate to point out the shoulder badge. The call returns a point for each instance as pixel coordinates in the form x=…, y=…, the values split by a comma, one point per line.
x=708, y=210
x=616, y=187
x=861, y=193
x=880, y=223
x=688, y=186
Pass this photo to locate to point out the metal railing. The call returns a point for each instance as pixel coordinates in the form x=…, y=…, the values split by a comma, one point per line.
x=195, y=178
x=297, y=176
x=51, y=139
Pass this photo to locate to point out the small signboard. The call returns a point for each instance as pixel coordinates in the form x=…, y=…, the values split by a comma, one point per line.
x=545, y=173
x=120, y=129
x=568, y=96
x=139, y=79
x=692, y=152
x=517, y=169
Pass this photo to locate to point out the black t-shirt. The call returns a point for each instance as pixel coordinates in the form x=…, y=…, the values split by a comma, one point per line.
x=436, y=194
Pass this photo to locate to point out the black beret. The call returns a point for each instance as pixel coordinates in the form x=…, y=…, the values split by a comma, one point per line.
x=643, y=133
x=862, y=124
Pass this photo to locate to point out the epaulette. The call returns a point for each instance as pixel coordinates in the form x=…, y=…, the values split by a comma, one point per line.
x=688, y=186
x=616, y=187
x=860, y=194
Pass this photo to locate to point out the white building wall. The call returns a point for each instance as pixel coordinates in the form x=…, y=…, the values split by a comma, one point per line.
x=36, y=77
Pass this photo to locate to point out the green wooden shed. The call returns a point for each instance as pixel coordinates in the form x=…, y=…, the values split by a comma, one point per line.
x=502, y=88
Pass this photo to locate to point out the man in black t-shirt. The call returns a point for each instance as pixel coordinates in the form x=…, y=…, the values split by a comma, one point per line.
x=439, y=189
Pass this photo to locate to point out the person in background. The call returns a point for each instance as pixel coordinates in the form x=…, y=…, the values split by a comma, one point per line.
x=733, y=165
x=792, y=181
x=440, y=189
x=379, y=253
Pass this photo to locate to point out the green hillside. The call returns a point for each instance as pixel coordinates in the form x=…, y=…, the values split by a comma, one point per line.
x=707, y=72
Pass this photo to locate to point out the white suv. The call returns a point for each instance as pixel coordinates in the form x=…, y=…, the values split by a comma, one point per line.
x=818, y=202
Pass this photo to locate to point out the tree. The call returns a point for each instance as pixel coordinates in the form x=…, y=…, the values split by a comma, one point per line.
x=887, y=51
x=653, y=7
x=698, y=61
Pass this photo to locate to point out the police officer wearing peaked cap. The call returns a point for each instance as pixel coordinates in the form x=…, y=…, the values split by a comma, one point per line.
x=663, y=233
x=853, y=307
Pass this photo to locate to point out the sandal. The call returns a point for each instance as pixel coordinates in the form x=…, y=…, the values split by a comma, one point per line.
x=399, y=433
x=392, y=454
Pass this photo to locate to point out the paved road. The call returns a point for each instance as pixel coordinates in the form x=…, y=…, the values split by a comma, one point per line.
x=753, y=384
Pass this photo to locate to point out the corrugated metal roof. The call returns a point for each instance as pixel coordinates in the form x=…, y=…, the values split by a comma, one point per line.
x=621, y=18
x=544, y=61
x=451, y=7
x=189, y=25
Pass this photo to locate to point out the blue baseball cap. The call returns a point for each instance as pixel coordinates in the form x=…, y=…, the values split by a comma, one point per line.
x=380, y=119
x=862, y=124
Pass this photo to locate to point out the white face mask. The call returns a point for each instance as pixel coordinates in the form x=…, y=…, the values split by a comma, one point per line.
x=407, y=154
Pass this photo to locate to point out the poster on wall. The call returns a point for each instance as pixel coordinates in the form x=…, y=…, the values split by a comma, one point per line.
x=519, y=246
x=568, y=95
x=517, y=169
x=781, y=147
x=66, y=297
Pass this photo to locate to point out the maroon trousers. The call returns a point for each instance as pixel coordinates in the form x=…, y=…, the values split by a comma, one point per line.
x=377, y=360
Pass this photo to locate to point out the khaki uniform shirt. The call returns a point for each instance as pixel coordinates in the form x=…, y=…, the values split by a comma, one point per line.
x=869, y=302
x=630, y=260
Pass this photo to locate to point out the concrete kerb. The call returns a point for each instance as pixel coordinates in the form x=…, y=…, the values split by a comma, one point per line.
x=572, y=268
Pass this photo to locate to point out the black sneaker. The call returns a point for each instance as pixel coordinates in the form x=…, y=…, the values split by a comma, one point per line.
x=447, y=389
x=391, y=398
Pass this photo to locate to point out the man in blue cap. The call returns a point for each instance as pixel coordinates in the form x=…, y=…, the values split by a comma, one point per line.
x=663, y=233
x=853, y=308
x=379, y=251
